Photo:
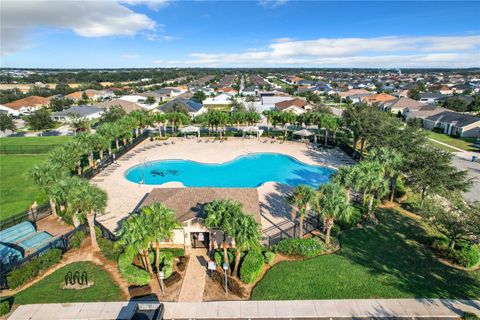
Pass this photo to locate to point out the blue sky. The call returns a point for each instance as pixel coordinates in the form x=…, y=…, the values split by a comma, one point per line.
x=162, y=33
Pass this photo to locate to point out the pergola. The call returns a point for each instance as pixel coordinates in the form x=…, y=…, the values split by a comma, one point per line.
x=251, y=129
x=304, y=133
x=189, y=130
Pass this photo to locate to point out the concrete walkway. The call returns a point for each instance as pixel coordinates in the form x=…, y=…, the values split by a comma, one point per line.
x=194, y=282
x=301, y=309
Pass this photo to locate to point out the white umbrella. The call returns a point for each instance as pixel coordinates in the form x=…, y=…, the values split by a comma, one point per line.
x=303, y=133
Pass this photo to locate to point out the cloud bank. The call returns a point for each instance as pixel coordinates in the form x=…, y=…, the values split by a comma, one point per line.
x=389, y=52
x=85, y=18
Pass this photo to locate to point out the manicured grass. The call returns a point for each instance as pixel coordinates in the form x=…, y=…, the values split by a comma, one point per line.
x=50, y=289
x=15, y=141
x=17, y=192
x=389, y=260
x=466, y=144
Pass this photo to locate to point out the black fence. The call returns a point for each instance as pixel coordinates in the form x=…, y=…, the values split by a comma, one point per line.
x=310, y=223
x=33, y=215
x=109, y=159
x=349, y=150
x=107, y=234
x=27, y=149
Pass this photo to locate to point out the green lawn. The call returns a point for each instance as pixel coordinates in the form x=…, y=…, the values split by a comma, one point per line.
x=17, y=193
x=279, y=83
x=386, y=261
x=461, y=143
x=55, y=140
x=50, y=289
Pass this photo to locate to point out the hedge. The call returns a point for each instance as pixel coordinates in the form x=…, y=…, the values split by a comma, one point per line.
x=107, y=247
x=309, y=247
x=176, y=252
x=269, y=257
x=464, y=254
x=78, y=239
x=131, y=273
x=251, y=267
x=32, y=268
x=4, y=307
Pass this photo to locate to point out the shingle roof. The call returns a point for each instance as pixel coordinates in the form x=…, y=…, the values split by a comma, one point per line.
x=455, y=118
x=192, y=106
x=82, y=111
x=188, y=203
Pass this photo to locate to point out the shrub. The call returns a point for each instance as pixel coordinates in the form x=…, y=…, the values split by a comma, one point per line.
x=4, y=307
x=301, y=247
x=218, y=257
x=470, y=316
x=352, y=221
x=78, y=239
x=251, y=267
x=174, y=278
x=131, y=273
x=109, y=249
x=269, y=257
x=176, y=252
x=31, y=269
x=464, y=254
x=336, y=230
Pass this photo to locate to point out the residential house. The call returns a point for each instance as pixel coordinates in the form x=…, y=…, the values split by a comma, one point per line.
x=250, y=91
x=454, y=124
x=376, y=99
x=345, y=94
x=194, y=108
x=221, y=102
x=422, y=112
x=400, y=104
x=127, y=106
x=9, y=111
x=431, y=97
x=297, y=106
x=83, y=111
x=92, y=94
x=171, y=91
x=28, y=105
x=188, y=205
x=140, y=101
x=228, y=90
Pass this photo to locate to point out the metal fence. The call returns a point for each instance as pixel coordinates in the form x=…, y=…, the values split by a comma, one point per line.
x=310, y=223
x=27, y=149
x=33, y=215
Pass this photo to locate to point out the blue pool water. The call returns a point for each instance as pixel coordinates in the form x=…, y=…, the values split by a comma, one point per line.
x=243, y=172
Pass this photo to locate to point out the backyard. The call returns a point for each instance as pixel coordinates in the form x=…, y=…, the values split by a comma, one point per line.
x=466, y=144
x=50, y=289
x=17, y=192
x=389, y=260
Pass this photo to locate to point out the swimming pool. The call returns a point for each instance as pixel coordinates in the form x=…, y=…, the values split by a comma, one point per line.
x=246, y=171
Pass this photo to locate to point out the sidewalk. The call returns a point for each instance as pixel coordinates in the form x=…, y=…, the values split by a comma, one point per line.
x=302, y=309
x=194, y=282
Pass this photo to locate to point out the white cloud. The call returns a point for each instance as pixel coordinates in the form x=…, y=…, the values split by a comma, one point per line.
x=85, y=18
x=130, y=56
x=152, y=4
x=272, y=3
x=396, y=51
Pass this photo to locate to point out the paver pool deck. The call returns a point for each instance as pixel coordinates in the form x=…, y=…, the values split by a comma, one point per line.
x=124, y=196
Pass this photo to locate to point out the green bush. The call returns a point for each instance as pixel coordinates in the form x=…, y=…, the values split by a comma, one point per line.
x=301, y=247
x=269, y=257
x=78, y=239
x=177, y=252
x=354, y=218
x=131, y=273
x=336, y=230
x=109, y=249
x=31, y=269
x=218, y=257
x=4, y=307
x=464, y=254
x=470, y=316
x=251, y=267
x=400, y=189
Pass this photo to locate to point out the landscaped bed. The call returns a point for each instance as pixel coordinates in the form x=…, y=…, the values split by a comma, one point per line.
x=50, y=289
x=390, y=260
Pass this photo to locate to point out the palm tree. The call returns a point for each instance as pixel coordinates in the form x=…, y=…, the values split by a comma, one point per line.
x=107, y=132
x=87, y=200
x=44, y=176
x=332, y=204
x=344, y=176
x=88, y=140
x=74, y=150
x=60, y=191
x=162, y=222
x=159, y=119
x=220, y=214
x=134, y=234
x=300, y=199
x=369, y=177
x=247, y=237
x=392, y=162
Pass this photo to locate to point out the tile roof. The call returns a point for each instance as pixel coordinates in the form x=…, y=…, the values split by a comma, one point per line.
x=31, y=101
x=300, y=103
x=188, y=202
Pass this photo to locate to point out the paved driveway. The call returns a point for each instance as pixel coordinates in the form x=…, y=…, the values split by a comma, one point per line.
x=462, y=161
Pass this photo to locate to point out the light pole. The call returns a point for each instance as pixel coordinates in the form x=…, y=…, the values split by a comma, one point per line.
x=161, y=276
